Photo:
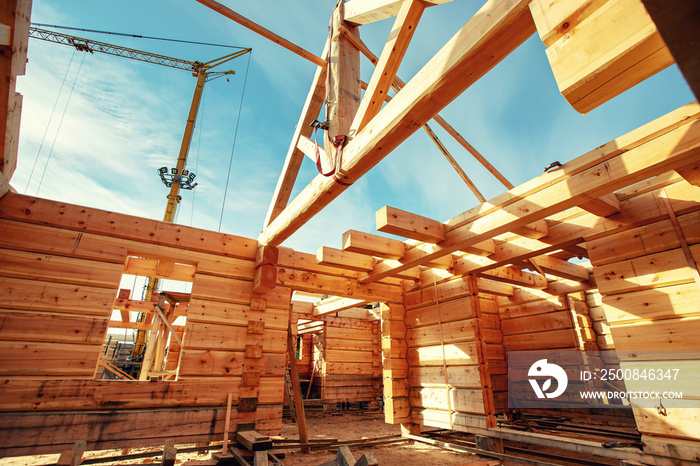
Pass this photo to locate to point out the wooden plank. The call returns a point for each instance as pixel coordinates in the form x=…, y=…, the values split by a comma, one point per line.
x=401, y=223
x=452, y=332
x=48, y=358
x=58, y=328
x=614, y=48
x=253, y=441
x=663, y=335
x=56, y=297
x=556, y=339
x=474, y=401
x=33, y=266
x=208, y=336
x=235, y=314
x=464, y=353
x=538, y=323
x=449, y=311
x=373, y=245
x=212, y=288
x=460, y=421
x=88, y=220
x=343, y=259
x=643, y=240
x=388, y=64
x=457, y=376
x=556, y=19
x=651, y=271
x=652, y=304
x=499, y=27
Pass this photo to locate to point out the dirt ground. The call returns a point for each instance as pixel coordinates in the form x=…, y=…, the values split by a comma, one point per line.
x=348, y=425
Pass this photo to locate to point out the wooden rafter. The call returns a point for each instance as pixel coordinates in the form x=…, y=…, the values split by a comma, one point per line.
x=292, y=162
x=332, y=305
x=496, y=30
x=388, y=64
x=673, y=148
x=255, y=27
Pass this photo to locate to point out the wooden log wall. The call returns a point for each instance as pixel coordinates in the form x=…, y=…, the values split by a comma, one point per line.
x=452, y=332
x=352, y=364
x=650, y=301
x=61, y=270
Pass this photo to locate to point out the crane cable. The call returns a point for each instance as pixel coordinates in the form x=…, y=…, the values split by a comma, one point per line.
x=70, y=94
x=235, y=135
x=46, y=131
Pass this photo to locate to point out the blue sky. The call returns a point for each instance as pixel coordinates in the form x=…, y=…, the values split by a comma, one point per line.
x=125, y=119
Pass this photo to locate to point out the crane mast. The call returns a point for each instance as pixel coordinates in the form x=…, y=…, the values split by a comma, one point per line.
x=177, y=178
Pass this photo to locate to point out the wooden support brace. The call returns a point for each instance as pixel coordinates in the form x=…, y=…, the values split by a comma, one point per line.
x=227, y=425
x=169, y=453
x=561, y=268
x=74, y=456
x=603, y=206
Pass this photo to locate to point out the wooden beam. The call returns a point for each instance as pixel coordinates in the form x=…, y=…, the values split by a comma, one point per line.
x=454, y=163
x=691, y=172
x=368, y=11
x=398, y=84
x=4, y=185
x=534, y=230
x=677, y=147
x=298, y=401
x=343, y=78
x=515, y=276
x=604, y=206
x=243, y=21
x=292, y=162
x=308, y=147
x=168, y=324
x=373, y=245
x=343, y=259
x=332, y=305
x=400, y=36
x=678, y=24
x=408, y=274
x=401, y=223
x=497, y=29
x=616, y=47
x=561, y=268
x=169, y=453
x=674, y=119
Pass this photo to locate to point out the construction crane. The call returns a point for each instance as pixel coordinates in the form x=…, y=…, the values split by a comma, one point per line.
x=176, y=178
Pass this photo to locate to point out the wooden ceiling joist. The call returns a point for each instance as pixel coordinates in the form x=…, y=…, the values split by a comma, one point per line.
x=492, y=34
x=675, y=147
x=373, y=245
x=343, y=259
x=515, y=276
x=332, y=305
x=561, y=268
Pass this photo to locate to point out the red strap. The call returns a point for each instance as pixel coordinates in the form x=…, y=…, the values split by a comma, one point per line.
x=318, y=158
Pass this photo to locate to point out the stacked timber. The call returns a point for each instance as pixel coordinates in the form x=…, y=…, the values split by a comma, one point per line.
x=452, y=332
x=351, y=367
x=650, y=299
x=62, y=265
